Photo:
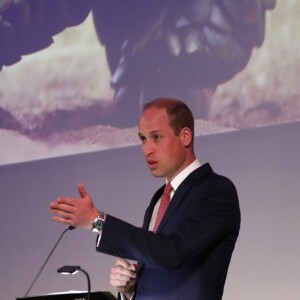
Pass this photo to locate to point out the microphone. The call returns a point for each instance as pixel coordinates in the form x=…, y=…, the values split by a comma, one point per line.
x=48, y=257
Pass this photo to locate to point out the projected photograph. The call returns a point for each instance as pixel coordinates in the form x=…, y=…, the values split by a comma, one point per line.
x=75, y=74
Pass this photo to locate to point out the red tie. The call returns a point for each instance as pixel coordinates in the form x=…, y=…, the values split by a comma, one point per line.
x=164, y=203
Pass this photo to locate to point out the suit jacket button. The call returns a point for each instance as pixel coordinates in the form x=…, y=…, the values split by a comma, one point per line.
x=140, y=289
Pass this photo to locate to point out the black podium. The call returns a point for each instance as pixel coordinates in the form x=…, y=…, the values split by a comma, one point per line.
x=72, y=296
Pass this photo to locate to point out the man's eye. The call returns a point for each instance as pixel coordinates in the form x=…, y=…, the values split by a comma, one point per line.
x=143, y=139
x=156, y=137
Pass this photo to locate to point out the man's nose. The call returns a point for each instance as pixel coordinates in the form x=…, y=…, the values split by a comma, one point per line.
x=147, y=148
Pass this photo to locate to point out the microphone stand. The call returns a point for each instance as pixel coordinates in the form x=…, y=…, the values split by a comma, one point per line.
x=48, y=257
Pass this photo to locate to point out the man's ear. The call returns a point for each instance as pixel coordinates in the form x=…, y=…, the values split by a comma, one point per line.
x=186, y=136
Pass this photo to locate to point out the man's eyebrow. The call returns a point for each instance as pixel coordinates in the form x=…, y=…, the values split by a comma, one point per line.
x=154, y=132
x=150, y=133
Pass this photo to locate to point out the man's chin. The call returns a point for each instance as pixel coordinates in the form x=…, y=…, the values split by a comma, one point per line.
x=156, y=173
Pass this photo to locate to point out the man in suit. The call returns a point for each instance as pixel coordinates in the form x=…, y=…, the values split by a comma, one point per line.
x=184, y=252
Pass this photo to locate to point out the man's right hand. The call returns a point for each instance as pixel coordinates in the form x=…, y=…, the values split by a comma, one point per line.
x=77, y=212
x=123, y=277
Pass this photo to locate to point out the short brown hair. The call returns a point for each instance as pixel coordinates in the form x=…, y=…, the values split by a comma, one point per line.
x=179, y=114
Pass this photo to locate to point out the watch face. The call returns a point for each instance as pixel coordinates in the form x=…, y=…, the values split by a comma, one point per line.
x=98, y=223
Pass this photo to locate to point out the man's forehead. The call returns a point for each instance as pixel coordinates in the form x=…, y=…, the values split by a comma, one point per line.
x=153, y=120
x=150, y=132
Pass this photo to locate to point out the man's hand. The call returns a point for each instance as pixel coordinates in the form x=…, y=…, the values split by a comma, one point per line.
x=123, y=277
x=78, y=212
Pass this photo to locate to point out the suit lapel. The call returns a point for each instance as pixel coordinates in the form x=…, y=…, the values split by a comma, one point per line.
x=180, y=193
x=149, y=211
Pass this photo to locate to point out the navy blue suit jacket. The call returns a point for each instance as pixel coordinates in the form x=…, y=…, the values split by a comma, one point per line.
x=188, y=257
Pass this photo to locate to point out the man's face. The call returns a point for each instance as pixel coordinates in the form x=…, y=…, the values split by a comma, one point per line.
x=165, y=153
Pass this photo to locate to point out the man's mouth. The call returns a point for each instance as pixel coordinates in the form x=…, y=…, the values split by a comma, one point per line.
x=152, y=163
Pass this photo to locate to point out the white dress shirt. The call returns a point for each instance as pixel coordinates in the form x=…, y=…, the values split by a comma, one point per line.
x=177, y=180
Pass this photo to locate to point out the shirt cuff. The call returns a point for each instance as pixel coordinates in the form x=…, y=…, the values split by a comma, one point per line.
x=123, y=297
x=99, y=237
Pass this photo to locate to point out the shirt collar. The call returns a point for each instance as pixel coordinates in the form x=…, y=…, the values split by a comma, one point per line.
x=177, y=180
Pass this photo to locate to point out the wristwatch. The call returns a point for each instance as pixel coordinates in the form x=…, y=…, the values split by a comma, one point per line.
x=98, y=223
